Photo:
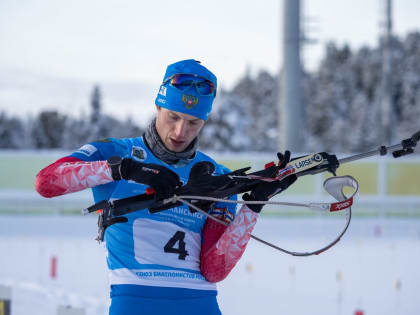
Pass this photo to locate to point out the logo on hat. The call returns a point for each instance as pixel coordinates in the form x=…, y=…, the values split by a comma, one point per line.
x=162, y=90
x=189, y=100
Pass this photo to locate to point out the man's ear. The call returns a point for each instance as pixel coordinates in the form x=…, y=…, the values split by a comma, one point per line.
x=158, y=108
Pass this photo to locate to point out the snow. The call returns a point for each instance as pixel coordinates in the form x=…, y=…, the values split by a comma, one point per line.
x=374, y=268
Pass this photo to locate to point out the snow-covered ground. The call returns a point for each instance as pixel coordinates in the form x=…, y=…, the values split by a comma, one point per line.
x=375, y=268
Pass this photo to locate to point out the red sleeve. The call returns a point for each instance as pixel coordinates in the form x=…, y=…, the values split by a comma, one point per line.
x=69, y=175
x=223, y=246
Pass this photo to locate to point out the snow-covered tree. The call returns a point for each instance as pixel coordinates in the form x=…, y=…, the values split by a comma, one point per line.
x=48, y=130
x=246, y=116
x=12, y=132
x=406, y=90
x=96, y=104
x=341, y=99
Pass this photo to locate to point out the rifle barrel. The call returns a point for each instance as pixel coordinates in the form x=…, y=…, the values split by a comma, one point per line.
x=369, y=154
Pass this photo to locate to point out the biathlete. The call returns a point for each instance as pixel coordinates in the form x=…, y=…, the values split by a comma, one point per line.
x=167, y=262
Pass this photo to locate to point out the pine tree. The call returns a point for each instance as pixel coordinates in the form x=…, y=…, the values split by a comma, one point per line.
x=48, y=130
x=96, y=104
x=11, y=132
x=406, y=98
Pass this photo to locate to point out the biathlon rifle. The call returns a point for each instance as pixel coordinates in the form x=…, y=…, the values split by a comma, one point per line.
x=111, y=212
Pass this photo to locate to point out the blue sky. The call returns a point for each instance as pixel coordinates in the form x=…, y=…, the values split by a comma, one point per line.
x=53, y=52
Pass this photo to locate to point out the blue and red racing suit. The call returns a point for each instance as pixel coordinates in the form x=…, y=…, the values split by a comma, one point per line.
x=162, y=263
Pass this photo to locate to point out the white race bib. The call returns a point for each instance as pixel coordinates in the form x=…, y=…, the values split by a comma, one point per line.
x=165, y=243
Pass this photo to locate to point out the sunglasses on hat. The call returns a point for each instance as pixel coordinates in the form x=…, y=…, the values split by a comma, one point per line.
x=183, y=82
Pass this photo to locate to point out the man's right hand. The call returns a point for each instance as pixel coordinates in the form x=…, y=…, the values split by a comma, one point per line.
x=161, y=179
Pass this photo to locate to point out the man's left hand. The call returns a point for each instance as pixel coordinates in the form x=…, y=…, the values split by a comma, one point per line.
x=266, y=190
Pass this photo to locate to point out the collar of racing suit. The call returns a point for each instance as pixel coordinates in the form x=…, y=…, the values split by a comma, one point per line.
x=156, y=145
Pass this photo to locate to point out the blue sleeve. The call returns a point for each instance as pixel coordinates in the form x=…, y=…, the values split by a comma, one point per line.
x=101, y=150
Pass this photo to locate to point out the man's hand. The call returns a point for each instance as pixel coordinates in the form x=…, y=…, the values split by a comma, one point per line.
x=265, y=190
x=201, y=180
x=161, y=179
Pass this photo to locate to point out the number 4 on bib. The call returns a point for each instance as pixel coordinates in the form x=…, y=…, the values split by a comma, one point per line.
x=177, y=238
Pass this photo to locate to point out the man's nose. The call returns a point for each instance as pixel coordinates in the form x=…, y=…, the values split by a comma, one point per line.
x=180, y=128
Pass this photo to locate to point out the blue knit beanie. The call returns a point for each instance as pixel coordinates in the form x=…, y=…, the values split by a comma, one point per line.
x=188, y=101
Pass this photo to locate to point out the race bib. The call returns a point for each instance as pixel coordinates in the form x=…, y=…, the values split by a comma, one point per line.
x=165, y=243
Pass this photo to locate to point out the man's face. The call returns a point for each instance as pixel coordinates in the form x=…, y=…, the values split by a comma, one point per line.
x=177, y=130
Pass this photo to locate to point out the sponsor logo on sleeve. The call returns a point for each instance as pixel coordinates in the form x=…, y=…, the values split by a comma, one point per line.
x=138, y=153
x=87, y=150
